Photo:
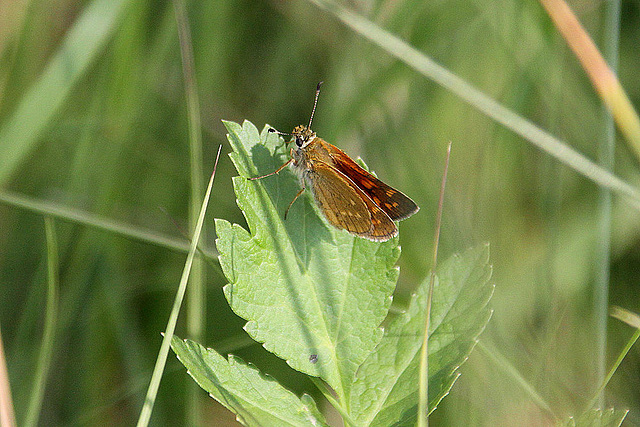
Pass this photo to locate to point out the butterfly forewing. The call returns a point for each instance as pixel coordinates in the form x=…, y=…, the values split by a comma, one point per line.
x=391, y=201
x=346, y=206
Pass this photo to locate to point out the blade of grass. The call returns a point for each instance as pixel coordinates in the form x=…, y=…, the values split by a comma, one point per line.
x=127, y=391
x=99, y=222
x=196, y=297
x=606, y=156
x=184, y=234
x=145, y=414
x=423, y=389
x=625, y=316
x=632, y=320
x=506, y=366
x=51, y=316
x=602, y=77
x=487, y=105
x=12, y=29
x=7, y=415
x=82, y=44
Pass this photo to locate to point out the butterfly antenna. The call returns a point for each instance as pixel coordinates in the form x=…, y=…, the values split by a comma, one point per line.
x=315, y=103
x=272, y=130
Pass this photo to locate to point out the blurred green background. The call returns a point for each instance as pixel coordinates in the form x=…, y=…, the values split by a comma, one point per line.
x=93, y=118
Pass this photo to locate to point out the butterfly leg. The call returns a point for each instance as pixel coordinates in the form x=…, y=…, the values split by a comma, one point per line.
x=294, y=199
x=272, y=173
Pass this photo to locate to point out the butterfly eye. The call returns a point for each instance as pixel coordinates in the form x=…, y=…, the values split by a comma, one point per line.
x=299, y=141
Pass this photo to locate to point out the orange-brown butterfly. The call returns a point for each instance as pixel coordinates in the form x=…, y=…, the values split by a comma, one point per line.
x=350, y=198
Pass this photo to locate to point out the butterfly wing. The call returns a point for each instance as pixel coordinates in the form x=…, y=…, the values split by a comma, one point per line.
x=346, y=206
x=395, y=204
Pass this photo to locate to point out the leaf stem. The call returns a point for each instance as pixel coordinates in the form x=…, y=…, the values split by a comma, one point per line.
x=7, y=414
x=624, y=316
x=147, y=408
x=326, y=392
x=196, y=297
x=51, y=316
x=602, y=76
x=606, y=158
x=423, y=391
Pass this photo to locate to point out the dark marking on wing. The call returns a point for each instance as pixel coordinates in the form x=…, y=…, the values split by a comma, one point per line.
x=393, y=202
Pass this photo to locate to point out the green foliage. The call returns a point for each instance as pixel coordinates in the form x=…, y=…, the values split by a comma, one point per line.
x=316, y=296
x=304, y=287
x=48, y=94
x=386, y=387
x=256, y=399
x=94, y=129
x=597, y=418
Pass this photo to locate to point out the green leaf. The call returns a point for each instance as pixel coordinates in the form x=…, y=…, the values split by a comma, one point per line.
x=313, y=295
x=255, y=398
x=385, y=391
x=597, y=418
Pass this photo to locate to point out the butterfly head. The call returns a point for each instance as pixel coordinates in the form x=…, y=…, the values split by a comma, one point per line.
x=302, y=135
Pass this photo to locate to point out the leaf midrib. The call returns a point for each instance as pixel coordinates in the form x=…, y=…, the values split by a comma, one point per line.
x=343, y=378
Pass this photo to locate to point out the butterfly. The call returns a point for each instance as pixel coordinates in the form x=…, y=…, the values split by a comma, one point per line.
x=349, y=197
